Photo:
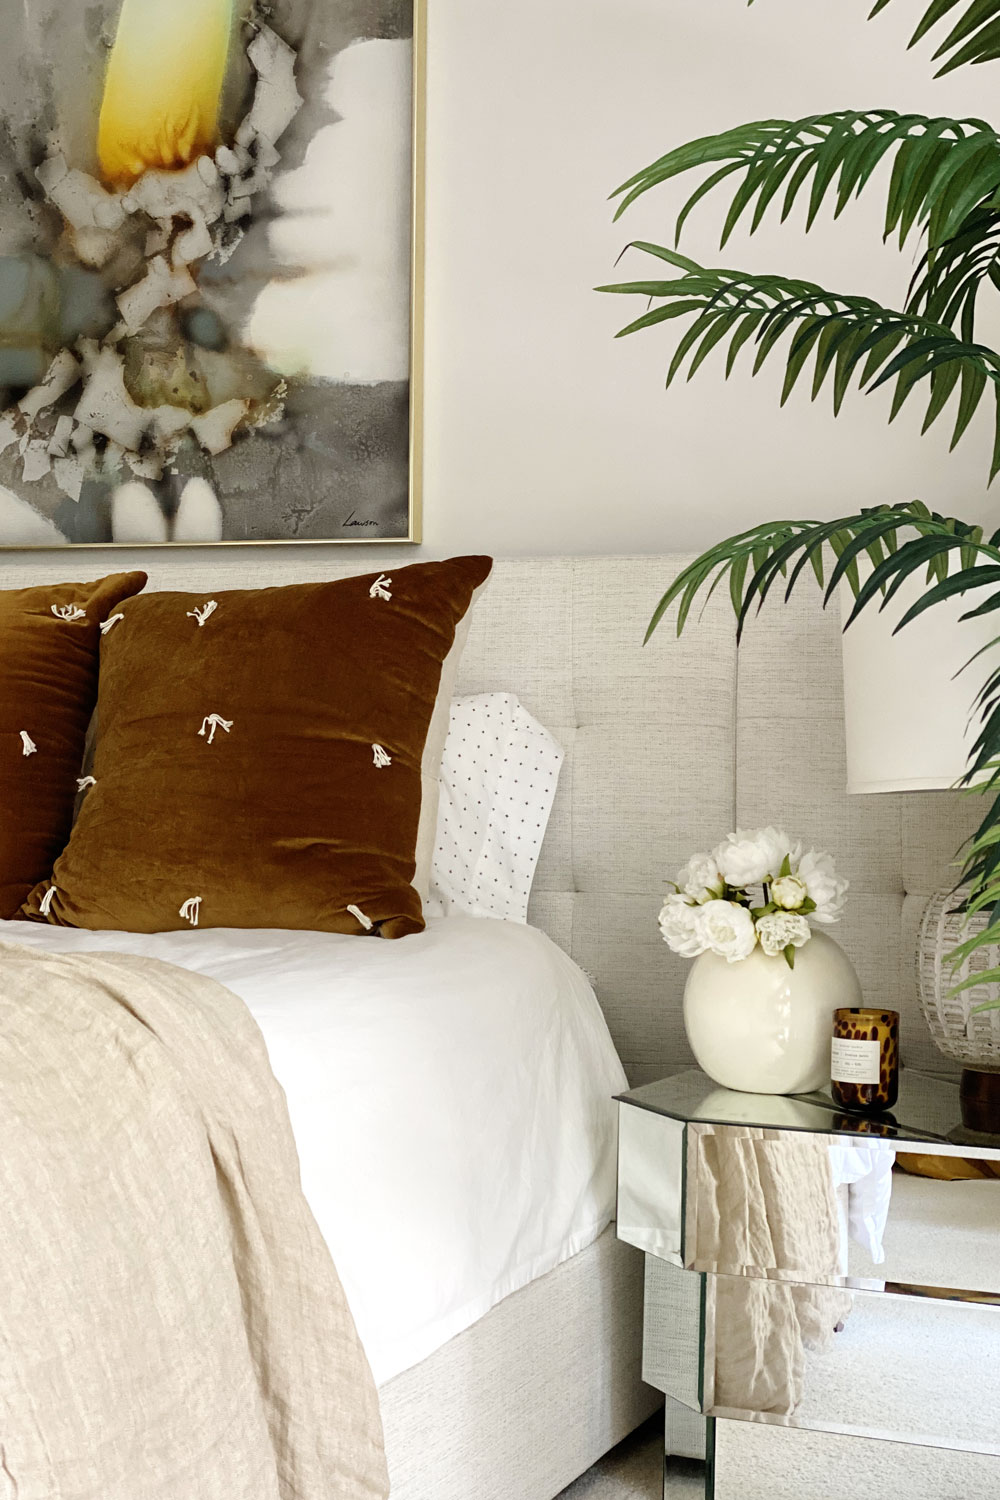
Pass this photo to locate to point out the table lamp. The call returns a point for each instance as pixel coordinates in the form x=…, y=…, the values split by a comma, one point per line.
x=909, y=728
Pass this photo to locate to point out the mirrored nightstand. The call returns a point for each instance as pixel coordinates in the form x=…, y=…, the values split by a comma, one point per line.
x=822, y=1291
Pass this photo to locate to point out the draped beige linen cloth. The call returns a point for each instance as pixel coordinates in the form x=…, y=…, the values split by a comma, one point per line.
x=172, y=1326
x=766, y=1210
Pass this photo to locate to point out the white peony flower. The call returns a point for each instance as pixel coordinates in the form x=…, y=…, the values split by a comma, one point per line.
x=780, y=930
x=680, y=925
x=748, y=858
x=700, y=878
x=789, y=892
x=824, y=886
x=727, y=929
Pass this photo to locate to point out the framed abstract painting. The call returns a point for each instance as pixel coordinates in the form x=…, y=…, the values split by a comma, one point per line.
x=210, y=272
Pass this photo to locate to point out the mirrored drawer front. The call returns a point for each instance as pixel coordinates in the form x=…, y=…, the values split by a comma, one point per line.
x=723, y=1460
x=811, y=1207
x=754, y=1463
x=919, y=1371
x=826, y=1359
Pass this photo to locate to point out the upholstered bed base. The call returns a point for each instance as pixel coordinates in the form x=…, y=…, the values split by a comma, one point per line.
x=528, y=1398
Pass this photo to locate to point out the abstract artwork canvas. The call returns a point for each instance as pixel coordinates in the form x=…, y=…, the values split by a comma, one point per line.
x=208, y=252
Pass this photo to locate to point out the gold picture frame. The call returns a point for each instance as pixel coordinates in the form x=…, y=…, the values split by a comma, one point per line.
x=412, y=533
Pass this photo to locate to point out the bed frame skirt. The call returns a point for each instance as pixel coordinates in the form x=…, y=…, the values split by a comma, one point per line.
x=520, y=1404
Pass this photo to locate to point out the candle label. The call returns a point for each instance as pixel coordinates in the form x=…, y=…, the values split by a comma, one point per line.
x=855, y=1062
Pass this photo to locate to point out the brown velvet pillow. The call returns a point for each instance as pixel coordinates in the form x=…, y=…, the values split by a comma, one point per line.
x=264, y=757
x=49, y=642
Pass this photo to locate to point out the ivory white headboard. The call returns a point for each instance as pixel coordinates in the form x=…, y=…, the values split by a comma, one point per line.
x=668, y=747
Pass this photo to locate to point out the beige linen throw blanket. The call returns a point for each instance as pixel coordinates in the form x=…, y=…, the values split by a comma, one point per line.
x=171, y=1324
x=765, y=1201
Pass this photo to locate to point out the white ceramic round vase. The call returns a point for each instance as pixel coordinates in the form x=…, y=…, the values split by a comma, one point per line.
x=763, y=1028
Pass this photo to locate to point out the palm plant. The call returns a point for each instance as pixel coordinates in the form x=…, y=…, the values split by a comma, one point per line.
x=945, y=188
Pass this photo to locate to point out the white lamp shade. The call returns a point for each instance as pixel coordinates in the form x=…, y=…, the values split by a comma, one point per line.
x=907, y=704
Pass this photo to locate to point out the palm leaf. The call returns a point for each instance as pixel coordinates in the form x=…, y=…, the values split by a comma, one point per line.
x=767, y=546
x=901, y=541
x=950, y=276
x=941, y=170
x=974, y=36
x=855, y=338
x=944, y=183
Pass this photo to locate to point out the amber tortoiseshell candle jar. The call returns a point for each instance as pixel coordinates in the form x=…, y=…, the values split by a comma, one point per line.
x=864, y=1061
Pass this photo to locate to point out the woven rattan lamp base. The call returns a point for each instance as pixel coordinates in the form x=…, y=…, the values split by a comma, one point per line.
x=969, y=1038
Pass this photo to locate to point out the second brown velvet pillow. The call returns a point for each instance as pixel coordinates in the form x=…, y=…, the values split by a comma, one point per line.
x=49, y=639
x=264, y=756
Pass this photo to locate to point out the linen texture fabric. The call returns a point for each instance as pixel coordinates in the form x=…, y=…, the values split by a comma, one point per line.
x=268, y=758
x=49, y=642
x=171, y=1321
x=760, y=1205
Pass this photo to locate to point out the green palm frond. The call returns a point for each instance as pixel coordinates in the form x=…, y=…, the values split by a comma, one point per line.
x=942, y=168
x=974, y=37
x=843, y=337
x=899, y=541
x=950, y=277
x=756, y=559
x=944, y=184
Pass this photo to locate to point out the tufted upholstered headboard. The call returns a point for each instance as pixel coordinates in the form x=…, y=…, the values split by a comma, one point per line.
x=668, y=747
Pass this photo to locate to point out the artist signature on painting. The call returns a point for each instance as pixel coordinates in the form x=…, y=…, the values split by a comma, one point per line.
x=353, y=521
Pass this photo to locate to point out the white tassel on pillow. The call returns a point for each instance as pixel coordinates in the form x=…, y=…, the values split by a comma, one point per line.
x=205, y=613
x=191, y=910
x=211, y=723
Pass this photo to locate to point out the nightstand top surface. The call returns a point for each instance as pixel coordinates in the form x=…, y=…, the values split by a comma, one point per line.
x=929, y=1109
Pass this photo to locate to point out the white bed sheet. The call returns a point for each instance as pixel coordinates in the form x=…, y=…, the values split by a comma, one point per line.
x=450, y=1094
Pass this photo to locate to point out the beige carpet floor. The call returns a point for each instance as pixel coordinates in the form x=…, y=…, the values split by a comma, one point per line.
x=632, y=1471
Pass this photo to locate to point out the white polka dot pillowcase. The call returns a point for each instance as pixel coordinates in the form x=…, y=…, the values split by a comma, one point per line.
x=499, y=774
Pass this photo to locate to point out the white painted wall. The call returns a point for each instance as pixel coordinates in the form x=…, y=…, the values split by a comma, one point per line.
x=544, y=435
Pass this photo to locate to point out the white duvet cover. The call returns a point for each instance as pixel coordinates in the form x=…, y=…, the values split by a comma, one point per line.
x=450, y=1095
